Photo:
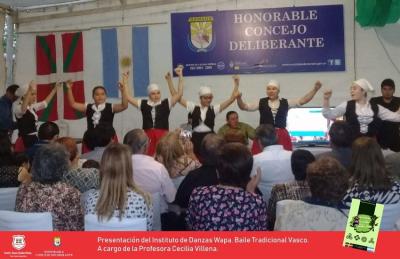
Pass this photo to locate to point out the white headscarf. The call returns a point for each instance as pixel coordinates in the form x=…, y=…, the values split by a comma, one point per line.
x=364, y=84
x=97, y=113
x=204, y=90
x=274, y=83
x=22, y=90
x=152, y=87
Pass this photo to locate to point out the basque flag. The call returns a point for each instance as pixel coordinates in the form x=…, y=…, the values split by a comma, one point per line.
x=59, y=57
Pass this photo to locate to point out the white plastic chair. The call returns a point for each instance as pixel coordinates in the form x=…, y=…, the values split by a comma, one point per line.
x=30, y=221
x=7, y=198
x=391, y=213
x=397, y=225
x=156, y=200
x=84, y=197
x=114, y=224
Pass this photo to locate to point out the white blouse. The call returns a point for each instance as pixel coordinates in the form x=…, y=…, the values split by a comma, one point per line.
x=364, y=114
x=301, y=216
x=203, y=111
x=17, y=109
x=153, y=105
x=273, y=104
x=135, y=206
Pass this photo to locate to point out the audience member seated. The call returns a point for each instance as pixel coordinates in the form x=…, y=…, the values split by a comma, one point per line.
x=47, y=193
x=296, y=190
x=7, y=125
x=118, y=195
x=100, y=137
x=48, y=133
x=274, y=161
x=340, y=138
x=8, y=166
x=233, y=136
x=82, y=179
x=328, y=181
x=91, y=164
x=397, y=225
x=149, y=175
x=370, y=181
x=170, y=152
x=232, y=204
x=388, y=135
x=186, y=128
x=24, y=166
x=233, y=128
x=205, y=175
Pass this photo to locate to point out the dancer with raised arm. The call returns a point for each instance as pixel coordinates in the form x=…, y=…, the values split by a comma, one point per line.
x=273, y=110
x=100, y=111
x=155, y=111
x=364, y=117
x=203, y=114
x=24, y=111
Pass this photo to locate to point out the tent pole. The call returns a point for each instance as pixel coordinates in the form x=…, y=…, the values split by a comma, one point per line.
x=10, y=50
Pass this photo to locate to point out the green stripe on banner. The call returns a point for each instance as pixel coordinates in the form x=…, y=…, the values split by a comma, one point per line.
x=46, y=113
x=71, y=51
x=46, y=49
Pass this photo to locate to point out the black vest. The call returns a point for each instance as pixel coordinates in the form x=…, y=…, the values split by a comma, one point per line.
x=266, y=116
x=26, y=124
x=210, y=117
x=389, y=134
x=107, y=116
x=352, y=119
x=162, y=115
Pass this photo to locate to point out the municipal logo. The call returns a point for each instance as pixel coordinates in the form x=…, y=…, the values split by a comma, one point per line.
x=57, y=241
x=201, y=37
x=364, y=223
x=18, y=242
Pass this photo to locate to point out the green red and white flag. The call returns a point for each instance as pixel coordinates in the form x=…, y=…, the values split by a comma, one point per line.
x=59, y=57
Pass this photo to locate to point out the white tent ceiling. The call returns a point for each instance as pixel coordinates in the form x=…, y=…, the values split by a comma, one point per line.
x=27, y=4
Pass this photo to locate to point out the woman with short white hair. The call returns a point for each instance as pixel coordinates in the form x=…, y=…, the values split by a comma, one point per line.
x=47, y=191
